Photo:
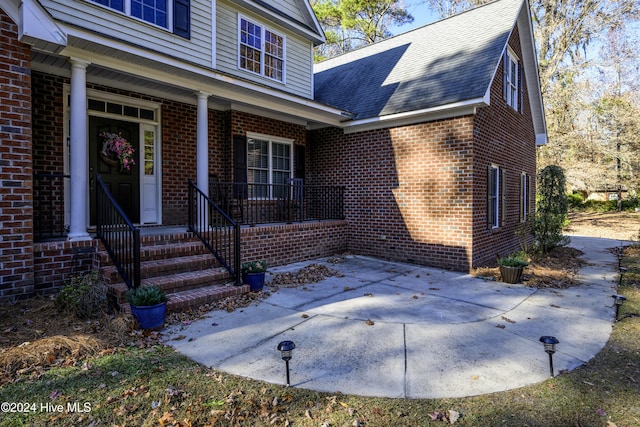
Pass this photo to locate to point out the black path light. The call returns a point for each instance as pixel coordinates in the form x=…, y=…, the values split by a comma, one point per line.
x=618, y=300
x=622, y=271
x=286, y=348
x=550, y=348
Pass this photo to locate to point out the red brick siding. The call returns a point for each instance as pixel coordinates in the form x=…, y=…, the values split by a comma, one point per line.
x=288, y=243
x=55, y=262
x=16, y=203
x=408, y=189
x=504, y=137
x=419, y=193
x=48, y=130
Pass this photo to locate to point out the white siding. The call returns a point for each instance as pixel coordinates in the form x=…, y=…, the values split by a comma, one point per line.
x=290, y=8
x=298, y=65
x=102, y=20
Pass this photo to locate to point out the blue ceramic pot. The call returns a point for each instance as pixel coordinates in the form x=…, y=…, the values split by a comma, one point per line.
x=254, y=280
x=150, y=317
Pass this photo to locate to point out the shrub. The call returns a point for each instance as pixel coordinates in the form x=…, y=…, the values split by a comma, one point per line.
x=145, y=296
x=575, y=201
x=85, y=296
x=551, y=209
x=518, y=259
x=254, y=267
x=600, y=205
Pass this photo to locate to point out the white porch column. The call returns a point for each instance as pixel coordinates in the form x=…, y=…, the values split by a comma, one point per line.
x=202, y=155
x=78, y=151
x=202, y=141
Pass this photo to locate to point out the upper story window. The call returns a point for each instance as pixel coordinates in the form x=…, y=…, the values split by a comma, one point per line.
x=511, y=89
x=261, y=51
x=173, y=15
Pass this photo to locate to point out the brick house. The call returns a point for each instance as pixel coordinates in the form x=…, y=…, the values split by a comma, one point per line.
x=420, y=148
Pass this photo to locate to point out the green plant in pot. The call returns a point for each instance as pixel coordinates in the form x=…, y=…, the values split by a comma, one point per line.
x=511, y=267
x=253, y=273
x=148, y=306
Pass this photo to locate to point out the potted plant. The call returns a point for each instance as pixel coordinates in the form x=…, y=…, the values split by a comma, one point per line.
x=511, y=267
x=253, y=273
x=148, y=306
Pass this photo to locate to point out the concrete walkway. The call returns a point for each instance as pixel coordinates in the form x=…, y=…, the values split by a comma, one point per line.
x=400, y=330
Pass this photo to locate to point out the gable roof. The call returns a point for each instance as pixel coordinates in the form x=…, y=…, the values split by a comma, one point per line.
x=445, y=66
x=295, y=15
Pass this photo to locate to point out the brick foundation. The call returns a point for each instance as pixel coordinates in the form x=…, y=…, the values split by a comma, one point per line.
x=56, y=262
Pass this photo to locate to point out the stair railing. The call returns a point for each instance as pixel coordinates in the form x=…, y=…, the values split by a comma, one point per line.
x=217, y=231
x=119, y=236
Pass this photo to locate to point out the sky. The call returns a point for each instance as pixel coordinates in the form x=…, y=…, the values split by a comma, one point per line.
x=421, y=16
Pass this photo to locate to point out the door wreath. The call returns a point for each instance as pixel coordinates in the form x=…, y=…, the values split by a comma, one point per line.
x=116, y=150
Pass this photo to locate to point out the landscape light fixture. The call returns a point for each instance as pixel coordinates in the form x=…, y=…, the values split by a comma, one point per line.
x=622, y=271
x=550, y=348
x=286, y=348
x=618, y=300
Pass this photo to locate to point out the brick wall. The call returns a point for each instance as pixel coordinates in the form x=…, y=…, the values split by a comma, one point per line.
x=55, y=262
x=419, y=193
x=288, y=243
x=505, y=138
x=16, y=210
x=408, y=189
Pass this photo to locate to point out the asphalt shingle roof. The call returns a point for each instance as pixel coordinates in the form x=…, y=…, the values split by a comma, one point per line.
x=449, y=61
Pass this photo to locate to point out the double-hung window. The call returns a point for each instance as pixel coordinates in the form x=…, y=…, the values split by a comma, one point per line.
x=261, y=50
x=173, y=15
x=524, y=197
x=269, y=165
x=496, y=196
x=511, y=77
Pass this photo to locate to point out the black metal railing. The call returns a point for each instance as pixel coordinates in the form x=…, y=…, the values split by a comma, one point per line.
x=217, y=231
x=119, y=236
x=251, y=204
x=48, y=206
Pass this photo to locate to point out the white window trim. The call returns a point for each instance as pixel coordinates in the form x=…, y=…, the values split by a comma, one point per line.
x=127, y=13
x=495, y=221
x=262, y=48
x=524, y=196
x=272, y=139
x=513, y=91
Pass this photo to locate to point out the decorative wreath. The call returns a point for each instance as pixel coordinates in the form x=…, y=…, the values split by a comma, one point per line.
x=117, y=150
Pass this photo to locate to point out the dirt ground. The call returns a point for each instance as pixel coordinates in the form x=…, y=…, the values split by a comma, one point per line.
x=610, y=225
x=34, y=336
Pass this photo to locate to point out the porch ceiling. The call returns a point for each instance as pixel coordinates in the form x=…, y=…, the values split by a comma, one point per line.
x=156, y=75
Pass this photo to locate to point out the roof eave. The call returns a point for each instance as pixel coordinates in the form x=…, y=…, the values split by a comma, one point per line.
x=37, y=28
x=417, y=116
x=532, y=77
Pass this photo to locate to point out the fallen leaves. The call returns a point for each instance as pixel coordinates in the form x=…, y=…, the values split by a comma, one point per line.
x=450, y=416
x=312, y=273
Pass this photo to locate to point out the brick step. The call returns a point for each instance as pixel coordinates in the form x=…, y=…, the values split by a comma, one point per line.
x=192, y=298
x=149, y=252
x=163, y=267
x=174, y=283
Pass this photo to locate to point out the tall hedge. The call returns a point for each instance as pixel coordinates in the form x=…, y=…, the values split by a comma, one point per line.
x=551, y=209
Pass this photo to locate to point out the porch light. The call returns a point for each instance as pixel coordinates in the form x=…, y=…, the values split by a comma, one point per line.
x=550, y=348
x=618, y=300
x=286, y=348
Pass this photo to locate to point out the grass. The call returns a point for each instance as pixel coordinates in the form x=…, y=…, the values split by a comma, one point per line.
x=154, y=385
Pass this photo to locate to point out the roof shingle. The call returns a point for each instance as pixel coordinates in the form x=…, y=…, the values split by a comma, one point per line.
x=449, y=61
